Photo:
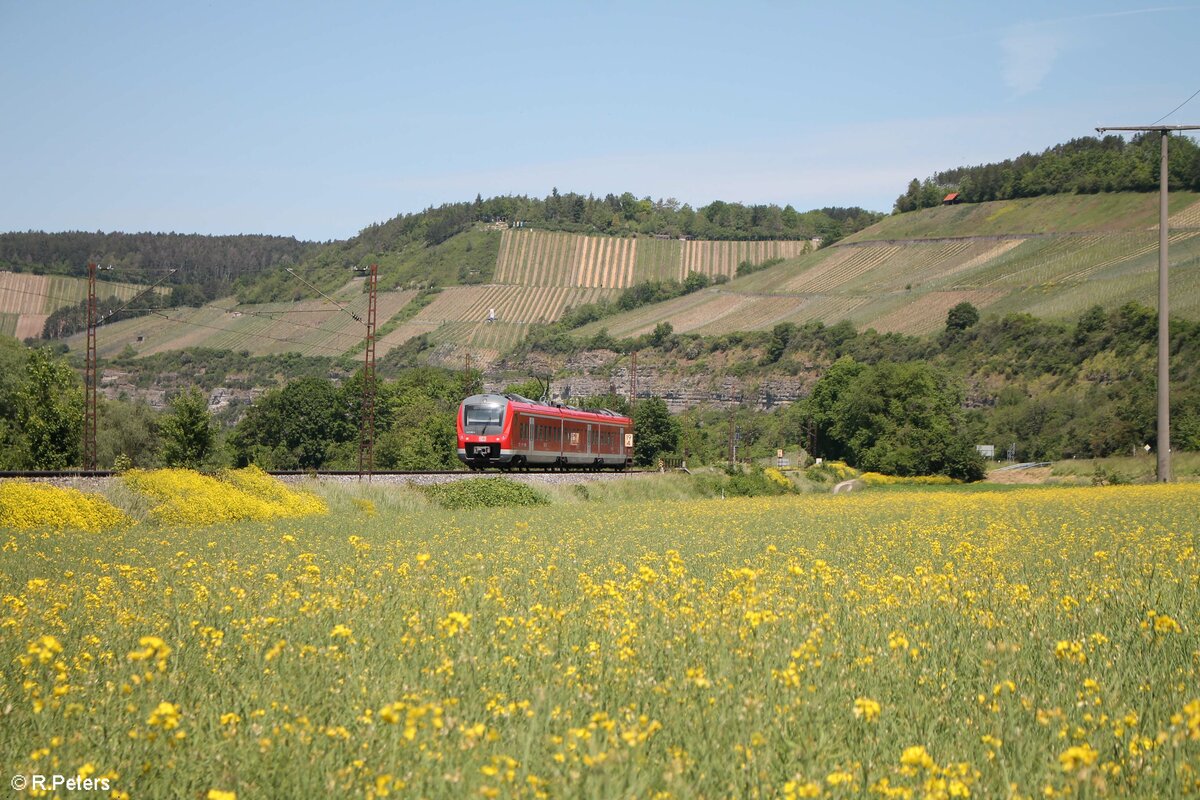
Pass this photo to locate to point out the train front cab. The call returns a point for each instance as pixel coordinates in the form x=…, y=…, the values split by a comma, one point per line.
x=484, y=429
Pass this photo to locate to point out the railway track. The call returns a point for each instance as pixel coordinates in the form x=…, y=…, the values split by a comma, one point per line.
x=340, y=473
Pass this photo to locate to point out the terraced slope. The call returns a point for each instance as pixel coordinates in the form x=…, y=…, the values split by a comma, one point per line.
x=459, y=314
x=1052, y=257
x=311, y=327
x=907, y=285
x=27, y=300
x=542, y=258
x=1030, y=215
x=722, y=258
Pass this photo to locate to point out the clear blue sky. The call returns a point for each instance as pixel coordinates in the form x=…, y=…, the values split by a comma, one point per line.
x=317, y=119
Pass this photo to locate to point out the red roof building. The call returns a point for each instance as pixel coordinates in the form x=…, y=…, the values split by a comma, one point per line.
x=952, y=199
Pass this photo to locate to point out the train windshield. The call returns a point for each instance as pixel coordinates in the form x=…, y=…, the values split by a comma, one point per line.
x=483, y=417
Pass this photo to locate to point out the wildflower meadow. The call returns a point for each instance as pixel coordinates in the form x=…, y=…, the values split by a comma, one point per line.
x=907, y=643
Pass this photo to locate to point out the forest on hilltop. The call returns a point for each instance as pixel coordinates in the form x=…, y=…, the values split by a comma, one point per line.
x=207, y=266
x=215, y=266
x=1081, y=166
x=614, y=215
x=623, y=215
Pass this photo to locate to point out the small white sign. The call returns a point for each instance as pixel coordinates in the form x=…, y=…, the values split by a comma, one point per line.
x=629, y=441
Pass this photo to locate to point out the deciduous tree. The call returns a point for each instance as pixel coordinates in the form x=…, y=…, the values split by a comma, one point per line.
x=187, y=431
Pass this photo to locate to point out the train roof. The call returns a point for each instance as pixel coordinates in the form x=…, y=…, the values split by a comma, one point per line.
x=545, y=407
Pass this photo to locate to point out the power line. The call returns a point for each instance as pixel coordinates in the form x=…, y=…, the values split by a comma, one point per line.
x=366, y=439
x=1176, y=108
x=1163, y=424
x=247, y=334
x=267, y=315
x=262, y=314
x=59, y=298
x=340, y=307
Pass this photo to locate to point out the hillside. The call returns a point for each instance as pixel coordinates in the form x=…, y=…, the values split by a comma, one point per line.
x=27, y=300
x=458, y=243
x=535, y=276
x=1052, y=257
x=206, y=266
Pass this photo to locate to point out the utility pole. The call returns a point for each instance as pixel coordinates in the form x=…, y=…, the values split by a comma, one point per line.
x=366, y=439
x=633, y=388
x=1164, y=308
x=89, y=380
x=366, y=429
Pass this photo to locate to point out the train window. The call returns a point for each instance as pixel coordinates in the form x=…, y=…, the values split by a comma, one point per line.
x=478, y=418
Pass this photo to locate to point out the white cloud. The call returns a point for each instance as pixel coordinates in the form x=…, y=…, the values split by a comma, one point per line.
x=1028, y=56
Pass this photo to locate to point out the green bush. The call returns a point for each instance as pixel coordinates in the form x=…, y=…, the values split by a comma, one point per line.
x=737, y=483
x=484, y=493
x=1109, y=477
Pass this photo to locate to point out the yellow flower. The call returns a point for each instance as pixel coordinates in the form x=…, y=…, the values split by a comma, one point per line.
x=1074, y=758
x=455, y=622
x=25, y=506
x=916, y=756
x=45, y=648
x=166, y=716
x=839, y=777
x=793, y=790
x=152, y=647
x=866, y=709
x=218, y=794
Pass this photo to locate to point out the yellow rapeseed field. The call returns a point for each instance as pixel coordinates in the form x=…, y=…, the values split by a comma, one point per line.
x=25, y=505
x=935, y=643
x=184, y=496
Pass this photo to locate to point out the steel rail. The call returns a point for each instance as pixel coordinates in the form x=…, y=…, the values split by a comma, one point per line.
x=108, y=473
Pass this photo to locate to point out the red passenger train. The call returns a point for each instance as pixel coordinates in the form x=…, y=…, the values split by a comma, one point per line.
x=509, y=431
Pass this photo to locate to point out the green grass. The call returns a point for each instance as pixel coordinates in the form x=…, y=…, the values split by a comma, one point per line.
x=1135, y=468
x=1052, y=214
x=468, y=258
x=1029, y=642
x=892, y=285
